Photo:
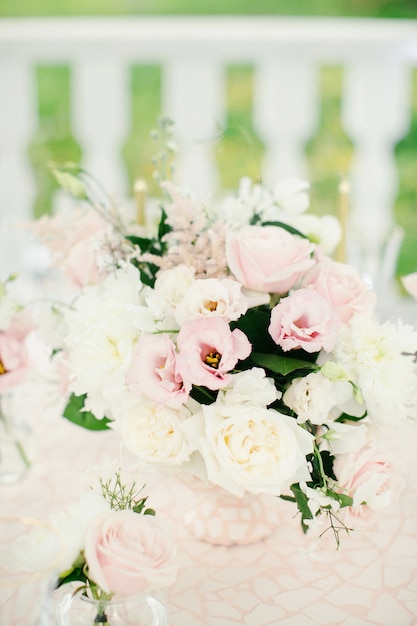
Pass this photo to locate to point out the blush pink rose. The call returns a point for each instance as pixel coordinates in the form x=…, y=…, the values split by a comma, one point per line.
x=208, y=351
x=372, y=479
x=304, y=320
x=268, y=258
x=14, y=361
x=342, y=287
x=154, y=373
x=127, y=553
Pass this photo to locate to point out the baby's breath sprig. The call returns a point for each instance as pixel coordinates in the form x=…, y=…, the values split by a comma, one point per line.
x=121, y=496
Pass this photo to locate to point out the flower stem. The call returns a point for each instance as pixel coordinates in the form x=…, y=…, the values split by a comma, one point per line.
x=19, y=447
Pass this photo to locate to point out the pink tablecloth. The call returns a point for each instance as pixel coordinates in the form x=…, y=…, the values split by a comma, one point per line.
x=372, y=580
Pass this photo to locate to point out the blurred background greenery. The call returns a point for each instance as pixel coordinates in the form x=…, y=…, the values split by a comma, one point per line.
x=238, y=150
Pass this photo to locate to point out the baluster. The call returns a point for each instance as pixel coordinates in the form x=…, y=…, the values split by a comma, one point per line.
x=285, y=115
x=192, y=96
x=17, y=126
x=100, y=93
x=375, y=114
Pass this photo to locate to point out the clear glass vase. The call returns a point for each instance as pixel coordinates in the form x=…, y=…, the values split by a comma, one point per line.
x=17, y=445
x=72, y=608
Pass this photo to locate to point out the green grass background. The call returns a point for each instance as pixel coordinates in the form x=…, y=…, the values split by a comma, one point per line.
x=238, y=151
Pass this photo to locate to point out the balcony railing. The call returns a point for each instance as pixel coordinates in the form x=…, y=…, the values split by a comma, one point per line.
x=286, y=53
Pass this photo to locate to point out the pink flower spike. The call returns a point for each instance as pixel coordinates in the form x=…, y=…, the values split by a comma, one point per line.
x=208, y=351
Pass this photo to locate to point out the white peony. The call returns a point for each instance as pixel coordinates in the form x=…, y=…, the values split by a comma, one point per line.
x=212, y=297
x=250, y=448
x=102, y=330
x=154, y=436
x=378, y=358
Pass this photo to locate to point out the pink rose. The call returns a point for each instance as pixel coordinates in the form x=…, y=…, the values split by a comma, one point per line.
x=153, y=372
x=208, y=350
x=371, y=479
x=342, y=287
x=305, y=320
x=127, y=553
x=14, y=360
x=268, y=258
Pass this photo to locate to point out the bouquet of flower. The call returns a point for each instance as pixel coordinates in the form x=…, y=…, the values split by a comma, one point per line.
x=229, y=345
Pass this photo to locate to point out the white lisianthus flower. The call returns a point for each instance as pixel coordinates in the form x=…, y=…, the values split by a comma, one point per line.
x=346, y=438
x=250, y=448
x=290, y=194
x=170, y=287
x=378, y=358
x=318, y=499
x=319, y=400
x=252, y=199
x=155, y=436
x=323, y=230
x=250, y=387
x=102, y=329
x=212, y=297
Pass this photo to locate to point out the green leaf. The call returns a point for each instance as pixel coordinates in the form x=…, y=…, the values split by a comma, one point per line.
x=286, y=227
x=75, y=414
x=302, y=504
x=70, y=182
x=76, y=574
x=283, y=365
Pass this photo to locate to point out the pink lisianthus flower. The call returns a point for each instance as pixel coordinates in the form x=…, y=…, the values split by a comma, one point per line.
x=154, y=372
x=127, y=553
x=342, y=287
x=14, y=360
x=208, y=351
x=304, y=320
x=268, y=258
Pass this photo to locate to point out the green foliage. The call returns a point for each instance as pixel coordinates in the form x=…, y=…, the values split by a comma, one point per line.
x=74, y=412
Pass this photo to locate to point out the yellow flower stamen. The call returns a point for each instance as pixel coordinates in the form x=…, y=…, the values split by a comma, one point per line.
x=2, y=368
x=213, y=359
x=211, y=305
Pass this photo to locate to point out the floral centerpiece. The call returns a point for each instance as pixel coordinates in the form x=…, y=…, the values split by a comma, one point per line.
x=227, y=344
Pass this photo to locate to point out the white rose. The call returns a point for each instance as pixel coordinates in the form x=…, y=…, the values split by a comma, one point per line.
x=250, y=386
x=153, y=435
x=212, y=297
x=250, y=448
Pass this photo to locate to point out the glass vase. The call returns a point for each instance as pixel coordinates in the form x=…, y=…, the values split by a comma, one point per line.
x=72, y=608
x=218, y=517
x=17, y=446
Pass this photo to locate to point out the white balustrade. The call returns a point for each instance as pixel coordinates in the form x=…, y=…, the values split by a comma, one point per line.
x=194, y=53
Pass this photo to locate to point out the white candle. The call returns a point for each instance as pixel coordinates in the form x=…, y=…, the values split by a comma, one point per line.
x=344, y=194
x=139, y=190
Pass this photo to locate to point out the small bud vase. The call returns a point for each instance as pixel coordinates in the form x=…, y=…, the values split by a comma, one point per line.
x=72, y=608
x=218, y=517
x=17, y=446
